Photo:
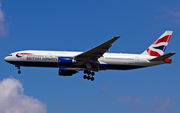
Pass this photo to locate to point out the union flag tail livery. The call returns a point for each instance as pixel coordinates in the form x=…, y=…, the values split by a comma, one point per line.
x=158, y=47
x=93, y=60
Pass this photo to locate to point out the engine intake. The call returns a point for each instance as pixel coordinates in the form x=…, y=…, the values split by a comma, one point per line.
x=66, y=72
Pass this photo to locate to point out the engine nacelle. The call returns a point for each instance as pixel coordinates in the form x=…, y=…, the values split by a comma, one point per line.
x=66, y=72
x=65, y=61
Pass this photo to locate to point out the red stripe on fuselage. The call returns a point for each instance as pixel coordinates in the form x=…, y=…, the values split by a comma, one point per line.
x=25, y=54
x=164, y=39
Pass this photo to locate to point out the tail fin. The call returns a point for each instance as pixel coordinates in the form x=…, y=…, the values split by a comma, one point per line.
x=159, y=46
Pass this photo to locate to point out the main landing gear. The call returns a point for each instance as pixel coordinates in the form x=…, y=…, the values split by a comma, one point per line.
x=18, y=67
x=88, y=75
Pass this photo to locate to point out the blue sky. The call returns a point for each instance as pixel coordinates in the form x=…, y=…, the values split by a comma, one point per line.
x=81, y=25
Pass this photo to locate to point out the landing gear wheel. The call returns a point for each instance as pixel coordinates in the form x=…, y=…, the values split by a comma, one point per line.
x=89, y=73
x=92, y=73
x=19, y=72
x=84, y=76
x=85, y=71
x=88, y=77
x=92, y=78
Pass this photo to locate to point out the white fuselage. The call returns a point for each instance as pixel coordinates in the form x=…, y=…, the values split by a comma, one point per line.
x=116, y=61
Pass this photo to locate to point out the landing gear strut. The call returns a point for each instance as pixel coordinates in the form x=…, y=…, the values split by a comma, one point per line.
x=18, y=67
x=88, y=73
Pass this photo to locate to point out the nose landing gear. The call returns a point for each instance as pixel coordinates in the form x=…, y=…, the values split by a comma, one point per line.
x=88, y=73
x=19, y=72
x=18, y=67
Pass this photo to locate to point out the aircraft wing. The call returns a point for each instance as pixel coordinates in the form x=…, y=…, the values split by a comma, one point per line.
x=93, y=54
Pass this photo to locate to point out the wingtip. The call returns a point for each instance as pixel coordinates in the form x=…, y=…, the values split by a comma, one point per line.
x=173, y=52
x=117, y=36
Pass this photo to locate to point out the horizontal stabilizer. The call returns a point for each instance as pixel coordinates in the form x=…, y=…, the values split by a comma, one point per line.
x=163, y=57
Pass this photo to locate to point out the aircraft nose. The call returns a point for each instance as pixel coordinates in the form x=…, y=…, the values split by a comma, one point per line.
x=6, y=59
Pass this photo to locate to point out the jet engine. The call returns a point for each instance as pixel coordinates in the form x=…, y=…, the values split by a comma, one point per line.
x=66, y=72
x=66, y=61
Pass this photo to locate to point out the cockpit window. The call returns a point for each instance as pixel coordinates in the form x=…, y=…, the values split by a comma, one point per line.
x=10, y=55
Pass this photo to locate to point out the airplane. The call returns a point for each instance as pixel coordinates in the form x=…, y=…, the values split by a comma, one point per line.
x=95, y=59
